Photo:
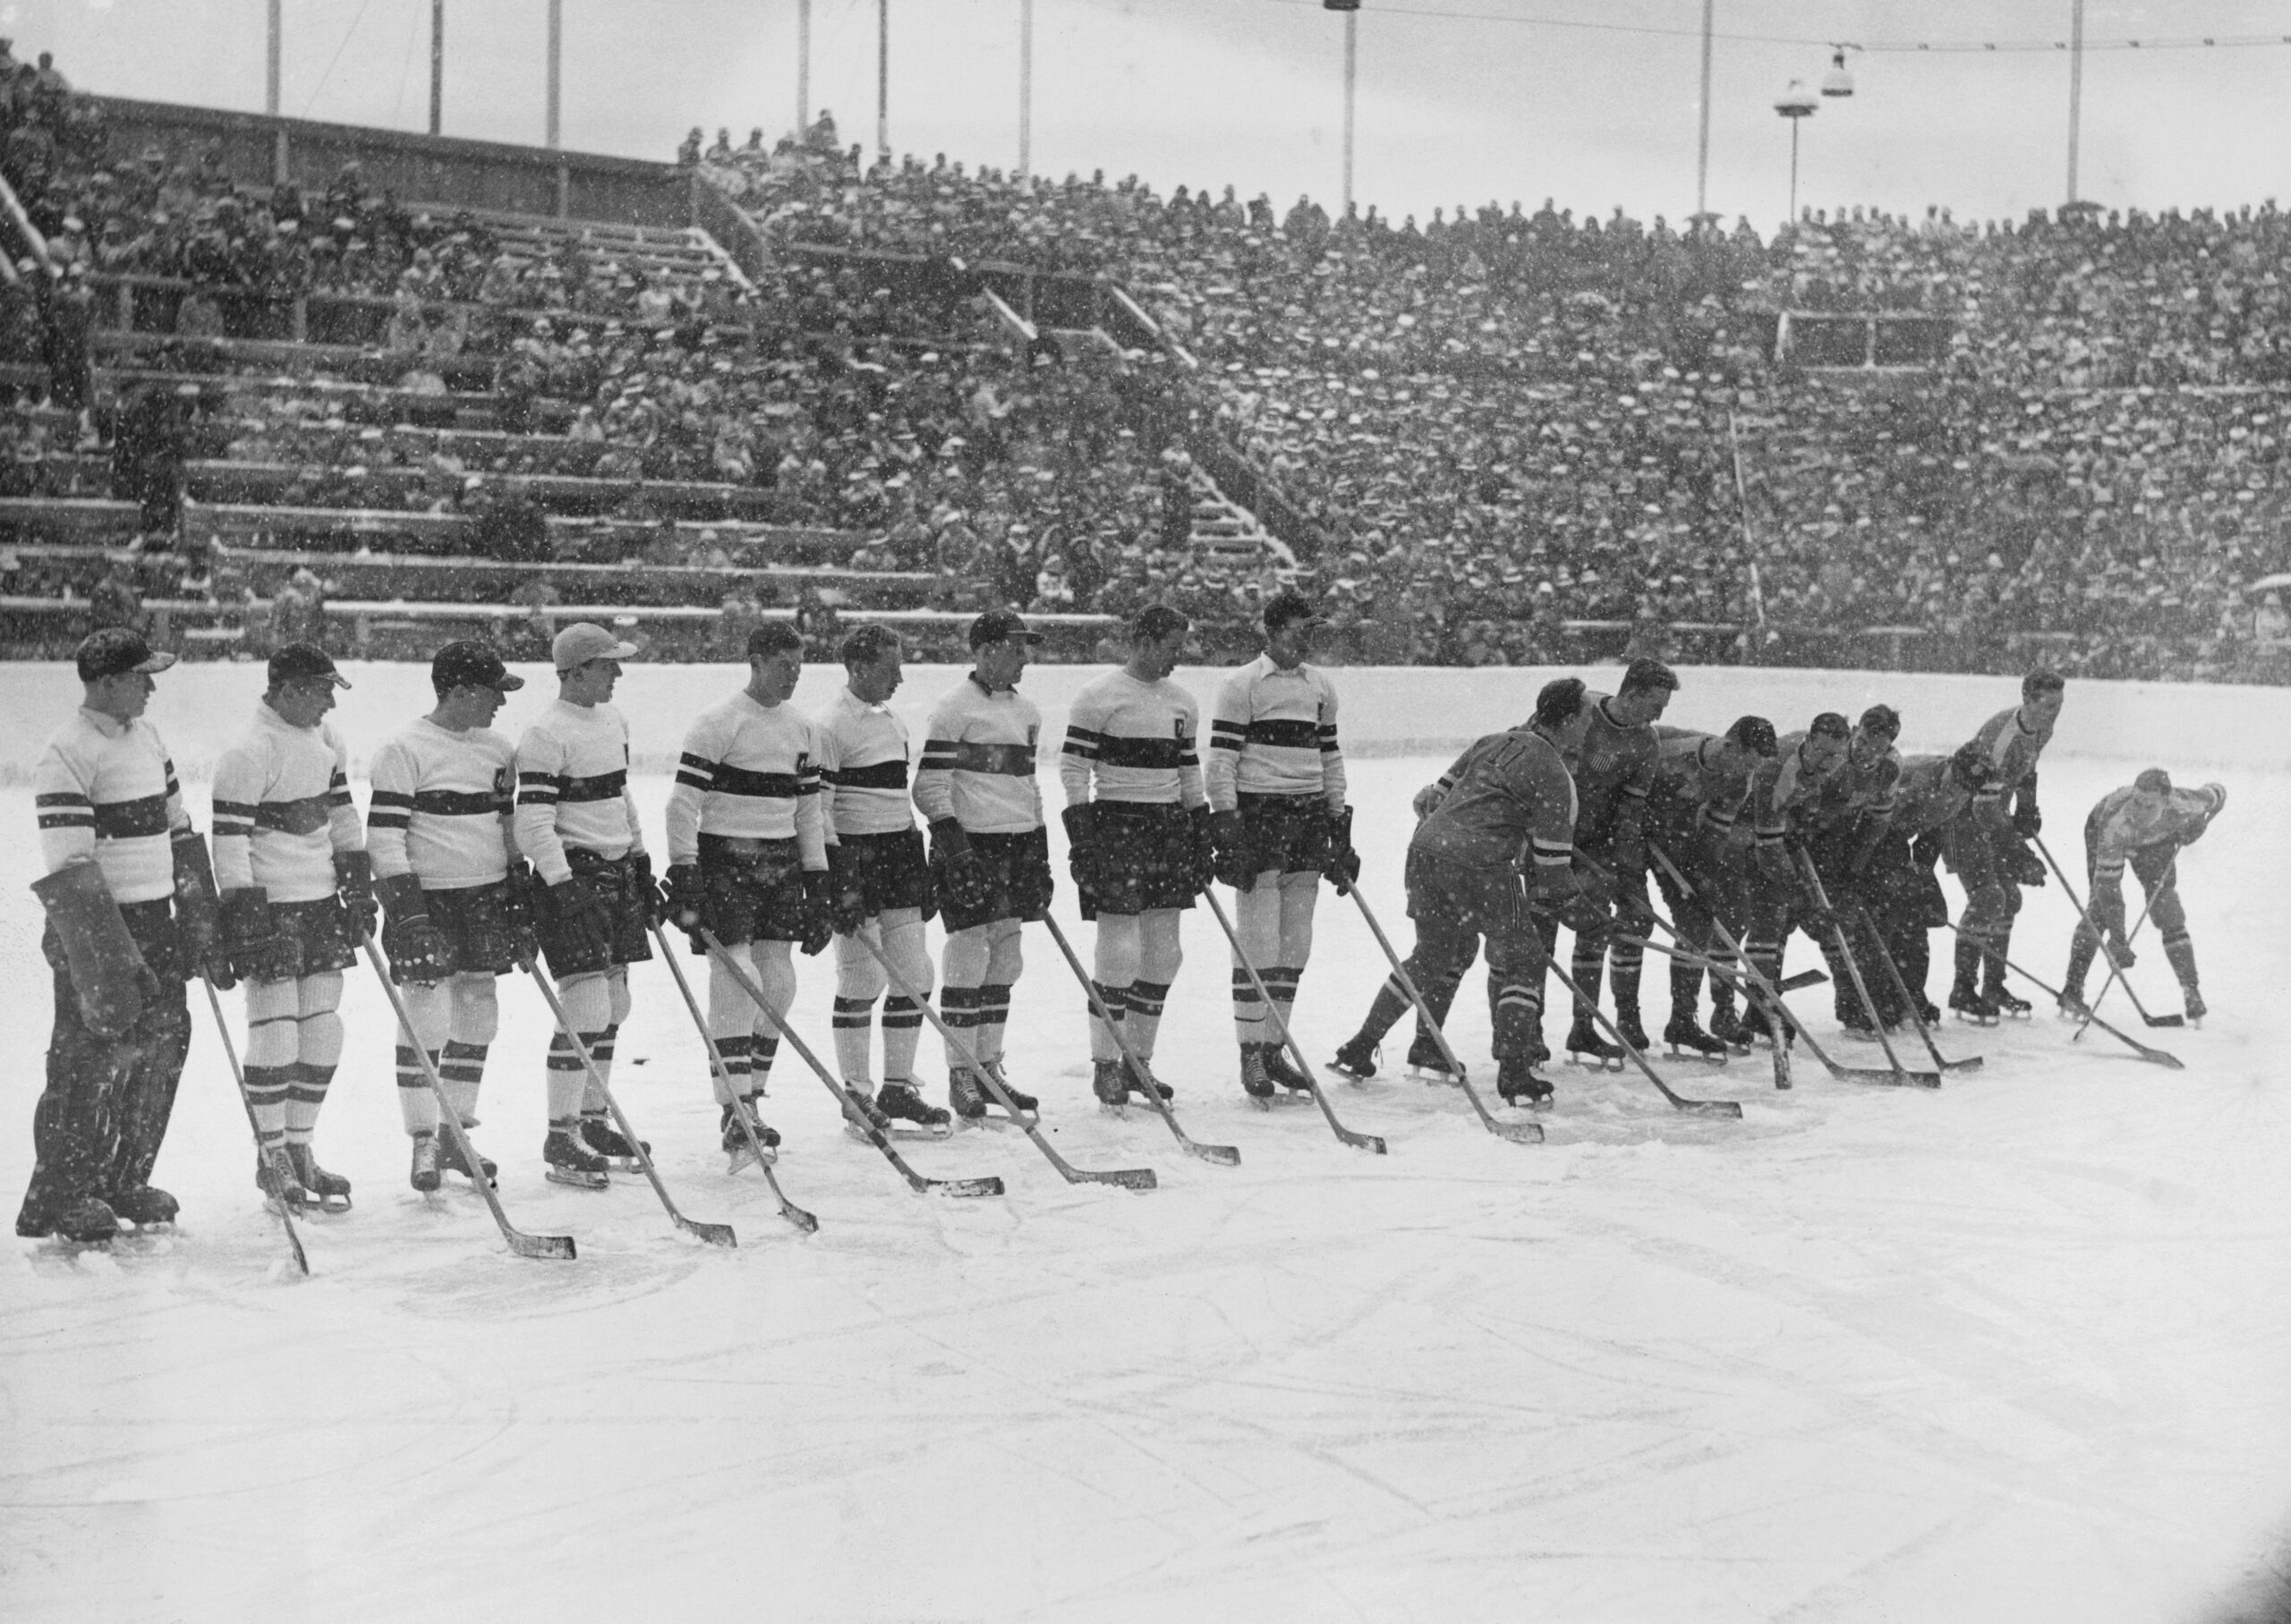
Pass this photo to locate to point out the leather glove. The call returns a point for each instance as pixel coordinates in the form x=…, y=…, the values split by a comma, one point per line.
x=2025, y=866
x=848, y=896
x=2120, y=952
x=1231, y=861
x=1427, y=801
x=1583, y=912
x=1632, y=911
x=582, y=916
x=2028, y=822
x=819, y=911
x=684, y=903
x=1081, y=853
x=644, y=891
x=960, y=878
x=258, y=950
x=1341, y=867
x=196, y=909
x=417, y=949
x=354, y=888
x=1820, y=916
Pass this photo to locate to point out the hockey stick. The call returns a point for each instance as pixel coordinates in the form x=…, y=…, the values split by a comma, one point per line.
x=1223, y=1155
x=1761, y=986
x=1367, y=1142
x=2158, y=1056
x=722, y=956
x=1908, y=1001
x=1129, y=1178
x=2116, y=971
x=765, y=1156
x=1693, y=1108
x=715, y=1234
x=1722, y=969
x=450, y=1119
x=2139, y=1008
x=223, y=1030
x=1805, y=862
x=1518, y=1133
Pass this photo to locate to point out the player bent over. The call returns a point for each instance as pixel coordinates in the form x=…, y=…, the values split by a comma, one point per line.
x=880, y=878
x=1899, y=886
x=1988, y=850
x=1842, y=830
x=2144, y=824
x=1510, y=806
x=990, y=854
x=577, y=824
x=1784, y=793
x=1137, y=850
x=439, y=831
x=1700, y=784
x=127, y=890
x=747, y=861
x=298, y=897
x=1276, y=780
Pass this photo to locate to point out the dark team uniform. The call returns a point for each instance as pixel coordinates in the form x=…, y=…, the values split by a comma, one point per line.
x=1613, y=769
x=1898, y=885
x=1693, y=810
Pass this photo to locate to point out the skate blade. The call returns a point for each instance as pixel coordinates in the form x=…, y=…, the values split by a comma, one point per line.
x=901, y=1133
x=1678, y=1052
x=1594, y=1062
x=1109, y=1108
x=1431, y=1076
x=746, y=1158
x=1970, y=1020
x=578, y=1180
x=1334, y=1070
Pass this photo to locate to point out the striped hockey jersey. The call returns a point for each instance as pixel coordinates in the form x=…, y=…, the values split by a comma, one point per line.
x=441, y=807
x=749, y=772
x=862, y=763
x=573, y=788
x=1273, y=733
x=283, y=809
x=978, y=761
x=105, y=789
x=1137, y=740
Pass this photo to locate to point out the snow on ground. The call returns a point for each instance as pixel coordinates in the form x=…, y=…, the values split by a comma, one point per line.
x=2011, y=1350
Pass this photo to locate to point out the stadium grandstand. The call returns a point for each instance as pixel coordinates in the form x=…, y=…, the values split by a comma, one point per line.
x=270, y=378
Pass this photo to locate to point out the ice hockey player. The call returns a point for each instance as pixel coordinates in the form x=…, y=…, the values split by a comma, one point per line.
x=1700, y=784
x=438, y=829
x=1276, y=780
x=298, y=897
x=990, y=853
x=1611, y=753
x=880, y=876
x=1898, y=885
x=1138, y=838
x=595, y=900
x=747, y=861
x=1784, y=795
x=128, y=890
x=1509, y=807
x=1988, y=851
x=2144, y=825
x=1841, y=831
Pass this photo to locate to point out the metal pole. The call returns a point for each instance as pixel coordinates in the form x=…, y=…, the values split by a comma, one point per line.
x=1026, y=87
x=1794, y=178
x=803, y=69
x=1351, y=62
x=2075, y=88
x=883, y=80
x=270, y=82
x=556, y=68
x=437, y=64
x=1702, y=147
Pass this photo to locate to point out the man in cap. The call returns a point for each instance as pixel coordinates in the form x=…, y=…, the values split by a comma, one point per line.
x=990, y=853
x=129, y=894
x=297, y=898
x=747, y=861
x=1138, y=836
x=577, y=824
x=1700, y=784
x=2143, y=825
x=882, y=877
x=445, y=859
x=1988, y=850
x=1275, y=782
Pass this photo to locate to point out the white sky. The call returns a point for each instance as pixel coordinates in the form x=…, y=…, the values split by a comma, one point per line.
x=1249, y=91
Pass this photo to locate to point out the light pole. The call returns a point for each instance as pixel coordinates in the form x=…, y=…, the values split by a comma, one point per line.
x=1702, y=142
x=1351, y=10
x=1797, y=104
x=556, y=69
x=437, y=65
x=883, y=80
x=1025, y=88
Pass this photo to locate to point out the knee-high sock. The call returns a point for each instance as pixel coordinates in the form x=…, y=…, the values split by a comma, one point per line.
x=967, y=955
x=1515, y=998
x=1626, y=962
x=903, y=945
x=1969, y=955
x=1686, y=990
x=1160, y=953
x=617, y=1007
x=1005, y=958
x=1722, y=990
x=1115, y=967
x=1585, y=963
x=317, y=1043
x=1256, y=922
x=587, y=998
x=271, y=1013
x=859, y=982
x=2179, y=951
x=2081, y=946
x=734, y=1020
x=476, y=1018
x=430, y=1007
x=1298, y=893
x=1999, y=944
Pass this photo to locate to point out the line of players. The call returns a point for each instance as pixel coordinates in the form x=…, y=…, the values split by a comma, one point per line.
x=785, y=831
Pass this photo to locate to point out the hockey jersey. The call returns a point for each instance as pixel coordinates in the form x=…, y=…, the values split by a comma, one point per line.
x=2011, y=748
x=978, y=761
x=1136, y=739
x=283, y=809
x=749, y=772
x=1510, y=802
x=441, y=807
x=863, y=764
x=1690, y=787
x=2117, y=826
x=1927, y=796
x=1613, y=767
x=573, y=788
x=1273, y=733
x=105, y=789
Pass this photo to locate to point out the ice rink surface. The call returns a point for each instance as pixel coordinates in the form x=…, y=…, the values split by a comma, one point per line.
x=2015, y=1349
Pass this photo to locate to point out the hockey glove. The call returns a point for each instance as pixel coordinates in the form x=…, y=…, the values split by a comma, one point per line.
x=1576, y=904
x=2028, y=822
x=1203, y=850
x=644, y=891
x=90, y=943
x=819, y=911
x=685, y=902
x=1341, y=867
x=1081, y=854
x=582, y=920
x=1232, y=862
x=196, y=910
x=1632, y=911
x=1427, y=800
x=962, y=880
x=2120, y=952
x=354, y=888
x=417, y=949
x=2024, y=866
x=257, y=948
x=847, y=898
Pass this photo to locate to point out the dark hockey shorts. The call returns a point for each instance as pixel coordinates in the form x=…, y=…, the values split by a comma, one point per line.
x=891, y=870
x=1013, y=880
x=316, y=935
x=1143, y=858
x=618, y=884
x=484, y=927
x=1488, y=900
x=754, y=890
x=1290, y=834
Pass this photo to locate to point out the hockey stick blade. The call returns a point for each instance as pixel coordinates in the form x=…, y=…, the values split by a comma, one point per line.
x=1345, y=1135
x=807, y=1222
x=2164, y=1020
x=2155, y=1057
x=1693, y=1108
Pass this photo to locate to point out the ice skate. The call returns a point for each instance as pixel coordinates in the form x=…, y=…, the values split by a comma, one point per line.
x=608, y=1142
x=2072, y=1006
x=1969, y=1004
x=1516, y=1082
x=862, y=1115
x=330, y=1191
x=1586, y=1047
x=736, y=1146
x=1632, y=1029
x=1726, y=1029
x=1139, y=1085
x=1255, y=1081
x=274, y=1176
x=900, y=1102
x=569, y=1161
x=83, y=1221
x=449, y=1161
x=144, y=1207
x=1685, y=1037
x=2007, y=1002
x=1425, y=1063
x=424, y=1176
x=1282, y=1074
x=2192, y=1002
x=1356, y=1057
x=976, y=1106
